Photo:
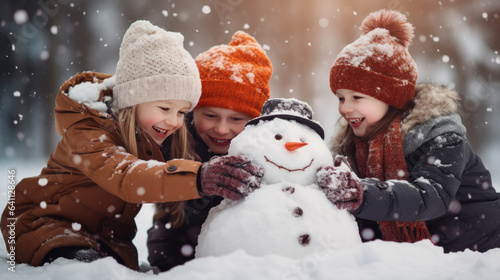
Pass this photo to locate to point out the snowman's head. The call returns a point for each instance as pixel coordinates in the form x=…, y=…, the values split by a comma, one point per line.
x=285, y=144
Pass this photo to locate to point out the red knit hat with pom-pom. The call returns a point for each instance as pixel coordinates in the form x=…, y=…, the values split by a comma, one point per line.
x=378, y=62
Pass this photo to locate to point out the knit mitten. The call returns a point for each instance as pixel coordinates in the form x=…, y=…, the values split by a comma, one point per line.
x=342, y=187
x=232, y=177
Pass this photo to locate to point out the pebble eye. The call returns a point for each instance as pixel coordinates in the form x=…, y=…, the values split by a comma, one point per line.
x=278, y=137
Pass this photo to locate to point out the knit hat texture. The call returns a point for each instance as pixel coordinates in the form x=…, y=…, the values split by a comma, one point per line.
x=154, y=65
x=378, y=62
x=235, y=76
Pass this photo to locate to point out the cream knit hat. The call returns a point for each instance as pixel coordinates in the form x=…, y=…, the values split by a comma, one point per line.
x=154, y=65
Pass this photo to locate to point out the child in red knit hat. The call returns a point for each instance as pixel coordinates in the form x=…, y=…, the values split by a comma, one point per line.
x=420, y=177
x=235, y=84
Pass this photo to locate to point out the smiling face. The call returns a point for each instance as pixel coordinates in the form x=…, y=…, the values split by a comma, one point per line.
x=360, y=110
x=218, y=126
x=287, y=151
x=161, y=118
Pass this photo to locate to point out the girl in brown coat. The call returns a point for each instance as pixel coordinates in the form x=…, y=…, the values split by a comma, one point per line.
x=117, y=132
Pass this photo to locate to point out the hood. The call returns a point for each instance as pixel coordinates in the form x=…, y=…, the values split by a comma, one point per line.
x=435, y=112
x=431, y=101
x=83, y=96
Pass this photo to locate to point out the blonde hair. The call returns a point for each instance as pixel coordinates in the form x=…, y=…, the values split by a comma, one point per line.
x=181, y=147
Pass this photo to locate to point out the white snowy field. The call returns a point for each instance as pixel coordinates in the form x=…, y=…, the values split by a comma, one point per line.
x=373, y=260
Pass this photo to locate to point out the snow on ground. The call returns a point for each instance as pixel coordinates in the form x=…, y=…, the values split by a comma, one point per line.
x=373, y=260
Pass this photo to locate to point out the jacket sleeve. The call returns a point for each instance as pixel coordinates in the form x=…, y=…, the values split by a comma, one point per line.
x=95, y=153
x=435, y=175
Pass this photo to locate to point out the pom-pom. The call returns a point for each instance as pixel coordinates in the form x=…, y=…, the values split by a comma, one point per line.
x=242, y=38
x=394, y=21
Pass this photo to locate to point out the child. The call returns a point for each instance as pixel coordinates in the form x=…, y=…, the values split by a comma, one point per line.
x=407, y=143
x=235, y=85
x=82, y=206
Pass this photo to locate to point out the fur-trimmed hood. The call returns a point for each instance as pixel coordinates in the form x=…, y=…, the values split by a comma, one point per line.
x=431, y=101
x=435, y=112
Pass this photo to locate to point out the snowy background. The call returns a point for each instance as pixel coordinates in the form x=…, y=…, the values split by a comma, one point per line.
x=43, y=43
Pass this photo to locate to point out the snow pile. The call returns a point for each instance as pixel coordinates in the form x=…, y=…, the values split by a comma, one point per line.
x=87, y=93
x=373, y=260
x=286, y=219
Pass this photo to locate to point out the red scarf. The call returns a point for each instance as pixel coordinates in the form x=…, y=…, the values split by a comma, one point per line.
x=383, y=158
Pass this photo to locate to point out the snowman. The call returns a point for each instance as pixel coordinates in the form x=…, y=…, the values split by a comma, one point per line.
x=288, y=215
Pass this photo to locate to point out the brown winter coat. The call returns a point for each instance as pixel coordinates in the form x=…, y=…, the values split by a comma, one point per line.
x=91, y=190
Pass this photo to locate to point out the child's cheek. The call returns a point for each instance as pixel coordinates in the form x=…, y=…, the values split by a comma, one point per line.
x=202, y=126
x=147, y=121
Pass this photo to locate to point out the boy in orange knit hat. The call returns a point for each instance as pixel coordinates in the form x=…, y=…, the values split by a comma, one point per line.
x=235, y=84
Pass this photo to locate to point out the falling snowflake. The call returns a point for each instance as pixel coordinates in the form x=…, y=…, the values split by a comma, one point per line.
x=44, y=55
x=42, y=182
x=76, y=226
x=54, y=30
x=367, y=234
x=206, y=10
x=323, y=22
x=187, y=250
x=141, y=191
x=21, y=17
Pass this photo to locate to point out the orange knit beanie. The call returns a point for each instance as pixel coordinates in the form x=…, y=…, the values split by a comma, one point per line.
x=235, y=76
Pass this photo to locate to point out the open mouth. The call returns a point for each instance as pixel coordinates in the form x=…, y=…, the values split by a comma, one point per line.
x=356, y=122
x=220, y=142
x=161, y=132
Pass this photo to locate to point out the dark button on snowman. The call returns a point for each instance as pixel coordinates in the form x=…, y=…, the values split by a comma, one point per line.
x=288, y=215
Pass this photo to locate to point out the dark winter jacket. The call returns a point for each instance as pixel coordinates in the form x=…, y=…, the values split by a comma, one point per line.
x=91, y=190
x=169, y=247
x=449, y=187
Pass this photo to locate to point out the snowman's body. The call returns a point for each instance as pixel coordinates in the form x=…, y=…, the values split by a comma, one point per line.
x=288, y=215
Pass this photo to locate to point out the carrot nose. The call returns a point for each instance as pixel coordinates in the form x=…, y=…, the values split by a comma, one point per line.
x=292, y=146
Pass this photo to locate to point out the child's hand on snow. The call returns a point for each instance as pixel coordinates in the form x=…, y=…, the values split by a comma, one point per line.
x=340, y=185
x=232, y=177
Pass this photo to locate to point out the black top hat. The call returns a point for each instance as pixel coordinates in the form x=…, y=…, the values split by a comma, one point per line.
x=288, y=109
